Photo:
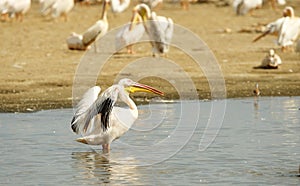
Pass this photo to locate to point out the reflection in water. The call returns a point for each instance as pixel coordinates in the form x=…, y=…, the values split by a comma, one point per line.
x=97, y=168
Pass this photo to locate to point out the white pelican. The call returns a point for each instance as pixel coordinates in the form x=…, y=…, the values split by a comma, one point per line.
x=130, y=33
x=62, y=8
x=242, y=7
x=273, y=28
x=118, y=6
x=99, y=121
x=289, y=31
x=271, y=60
x=3, y=9
x=159, y=28
x=46, y=6
x=99, y=29
x=17, y=8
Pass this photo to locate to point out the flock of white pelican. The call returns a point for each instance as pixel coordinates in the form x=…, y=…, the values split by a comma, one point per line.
x=97, y=119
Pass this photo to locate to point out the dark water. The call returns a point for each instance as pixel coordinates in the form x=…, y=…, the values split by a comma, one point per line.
x=256, y=143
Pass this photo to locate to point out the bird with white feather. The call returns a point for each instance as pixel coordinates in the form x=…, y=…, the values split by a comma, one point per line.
x=159, y=28
x=286, y=28
x=130, y=33
x=61, y=8
x=242, y=7
x=15, y=8
x=118, y=6
x=83, y=41
x=99, y=121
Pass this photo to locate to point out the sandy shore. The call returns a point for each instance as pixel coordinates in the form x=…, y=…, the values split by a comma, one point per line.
x=37, y=70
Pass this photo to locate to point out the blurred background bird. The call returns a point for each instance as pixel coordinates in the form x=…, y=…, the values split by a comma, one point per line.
x=130, y=33
x=14, y=8
x=83, y=41
x=158, y=28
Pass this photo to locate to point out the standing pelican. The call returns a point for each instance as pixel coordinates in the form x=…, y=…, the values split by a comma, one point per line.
x=159, y=28
x=118, y=6
x=130, y=33
x=286, y=28
x=242, y=7
x=99, y=121
x=62, y=8
x=99, y=29
x=17, y=8
x=289, y=31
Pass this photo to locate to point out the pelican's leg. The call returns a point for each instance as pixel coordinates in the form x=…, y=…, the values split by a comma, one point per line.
x=105, y=147
x=65, y=16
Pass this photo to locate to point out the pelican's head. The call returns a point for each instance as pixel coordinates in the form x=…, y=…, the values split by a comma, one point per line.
x=143, y=10
x=271, y=53
x=288, y=11
x=131, y=87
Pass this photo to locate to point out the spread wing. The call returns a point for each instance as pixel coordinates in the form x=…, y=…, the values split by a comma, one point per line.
x=102, y=107
x=89, y=97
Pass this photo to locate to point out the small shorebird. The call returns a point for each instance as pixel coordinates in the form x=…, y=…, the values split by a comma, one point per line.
x=99, y=120
x=256, y=91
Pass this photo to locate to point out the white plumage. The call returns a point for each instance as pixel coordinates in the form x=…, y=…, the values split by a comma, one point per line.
x=242, y=7
x=272, y=60
x=159, y=28
x=16, y=8
x=83, y=41
x=46, y=6
x=99, y=121
x=62, y=8
x=286, y=29
x=130, y=34
x=118, y=6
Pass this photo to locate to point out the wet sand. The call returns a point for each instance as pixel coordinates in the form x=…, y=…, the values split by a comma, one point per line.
x=37, y=70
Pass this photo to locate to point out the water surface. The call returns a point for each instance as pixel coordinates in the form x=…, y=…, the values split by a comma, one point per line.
x=258, y=143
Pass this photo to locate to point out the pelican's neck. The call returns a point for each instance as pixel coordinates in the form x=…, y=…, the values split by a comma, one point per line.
x=104, y=12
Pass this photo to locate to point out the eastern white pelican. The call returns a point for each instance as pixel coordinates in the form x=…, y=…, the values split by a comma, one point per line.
x=46, y=6
x=99, y=29
x=99, y=121
x=118, y=6
x=273, y=28
x=271, y=60
x=159, y=28
x=3, y=9
x=62, y=8
x=17, y=8
x=242, y=7
x=289, y=31
x=130, y=33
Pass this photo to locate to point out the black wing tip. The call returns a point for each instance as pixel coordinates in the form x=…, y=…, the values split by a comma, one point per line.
x=74, y=125
x=105, y=111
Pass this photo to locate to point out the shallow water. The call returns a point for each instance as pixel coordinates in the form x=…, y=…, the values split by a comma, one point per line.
x=258, y=143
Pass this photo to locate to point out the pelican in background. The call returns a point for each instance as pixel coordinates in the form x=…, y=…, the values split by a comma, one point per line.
x=130, y=33
x=242, y=7
x=99, y=29
x=46, y=6
x=118, y=6
x=159, y=28
x=97, y=118
x=289, y=31
x=286, y=28
x=271, y=61
x=16, y=8
x=61, y=8
x=153, y=4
